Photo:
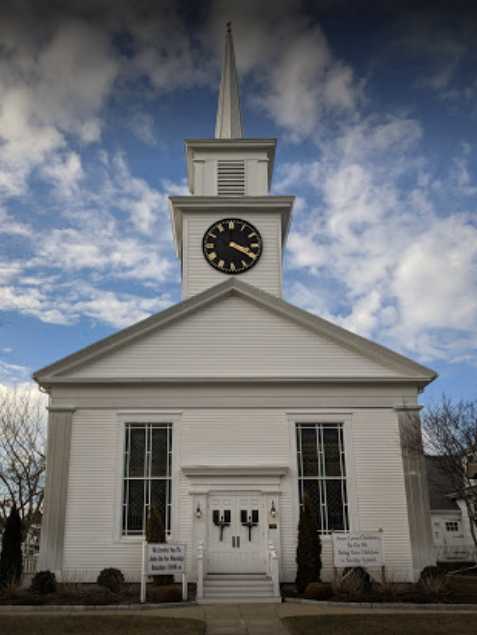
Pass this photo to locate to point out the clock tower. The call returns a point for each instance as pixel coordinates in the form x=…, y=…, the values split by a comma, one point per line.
x=230, y=225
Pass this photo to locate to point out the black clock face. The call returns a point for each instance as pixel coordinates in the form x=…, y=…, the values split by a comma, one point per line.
x=232, y=245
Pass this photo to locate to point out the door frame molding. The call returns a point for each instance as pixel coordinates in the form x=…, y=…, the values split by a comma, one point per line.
x=264, y=480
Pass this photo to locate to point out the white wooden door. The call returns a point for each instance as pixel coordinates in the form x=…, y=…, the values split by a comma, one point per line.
x=236, y=534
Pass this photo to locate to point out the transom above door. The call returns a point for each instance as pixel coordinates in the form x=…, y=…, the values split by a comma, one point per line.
x=236, y=534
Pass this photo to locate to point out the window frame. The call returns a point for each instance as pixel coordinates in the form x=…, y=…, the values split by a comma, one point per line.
x=322, y=476
x=153, y=417
x=455, y=526
x=345, y=418
x=147, y=477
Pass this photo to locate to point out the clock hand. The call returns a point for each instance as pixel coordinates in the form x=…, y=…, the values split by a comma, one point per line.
x=244, y=250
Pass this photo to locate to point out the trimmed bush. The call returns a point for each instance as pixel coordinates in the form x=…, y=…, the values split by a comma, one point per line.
x=356, y=581
x=308, y=552
x=43, y=582
x=318, y=591
x=11, y=558
x=111, y=579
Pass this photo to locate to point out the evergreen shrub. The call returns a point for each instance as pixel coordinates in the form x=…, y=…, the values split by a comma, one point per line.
x=308, y=553
x=11, y=557
x=156, y=533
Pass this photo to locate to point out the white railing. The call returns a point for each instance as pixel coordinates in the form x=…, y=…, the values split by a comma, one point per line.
x=200, y=570
x=30, y=564
x=273, y=568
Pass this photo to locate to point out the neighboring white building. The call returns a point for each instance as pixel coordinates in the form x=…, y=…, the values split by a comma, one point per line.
x=231, y=405
x=451, y=532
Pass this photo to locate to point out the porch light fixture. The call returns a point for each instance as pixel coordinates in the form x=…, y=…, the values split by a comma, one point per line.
x=198, y=512
x=273, y=511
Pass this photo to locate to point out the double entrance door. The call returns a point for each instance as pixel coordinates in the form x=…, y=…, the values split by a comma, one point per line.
x=236, y=534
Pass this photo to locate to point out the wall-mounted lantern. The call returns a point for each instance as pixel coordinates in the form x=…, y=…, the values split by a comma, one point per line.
x=273, y=511
x=198, y=512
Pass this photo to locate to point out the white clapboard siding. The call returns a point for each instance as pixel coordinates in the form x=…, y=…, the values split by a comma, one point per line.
x=233, y=337
x=198, y=275
x=380, y=485
x=221, y=437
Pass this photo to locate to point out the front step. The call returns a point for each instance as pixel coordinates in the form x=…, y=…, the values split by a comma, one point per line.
x=232, y=588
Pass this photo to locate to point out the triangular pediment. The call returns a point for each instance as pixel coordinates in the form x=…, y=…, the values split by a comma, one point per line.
x=234, y=331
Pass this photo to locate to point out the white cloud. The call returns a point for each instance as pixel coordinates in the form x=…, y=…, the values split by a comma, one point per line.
x=406, y=271
x=54, y=82
x=13, y=374
x=299, y=78
x=65, y=173
x=8, y=225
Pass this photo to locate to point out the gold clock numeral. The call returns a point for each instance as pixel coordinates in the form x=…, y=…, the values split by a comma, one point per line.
x=220, y=227
x=221, y=264
x=212, y=235
x=242, y=228
x=244, y=264
x=231, y=224
x=232, y=266
x=254, y=245
x=211, y=245
x=252, y=234
x=212, y=256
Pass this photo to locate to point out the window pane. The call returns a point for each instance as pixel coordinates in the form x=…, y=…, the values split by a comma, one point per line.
x=159, y=452
x=135, y=514
x=332, y=451
x=158, y=498
x=334, y=504
x=309, y=451
x=137, y=452
x=311, y=491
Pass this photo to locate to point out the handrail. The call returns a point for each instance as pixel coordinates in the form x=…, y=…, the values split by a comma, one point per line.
x=274, y=569
x=200, y=570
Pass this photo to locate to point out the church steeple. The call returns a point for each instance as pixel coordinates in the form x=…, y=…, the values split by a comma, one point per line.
x=229, y=119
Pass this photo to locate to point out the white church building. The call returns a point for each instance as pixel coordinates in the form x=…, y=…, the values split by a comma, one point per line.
x=229, y=407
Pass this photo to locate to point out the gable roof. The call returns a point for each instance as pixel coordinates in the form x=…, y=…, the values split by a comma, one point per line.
x=404, y=369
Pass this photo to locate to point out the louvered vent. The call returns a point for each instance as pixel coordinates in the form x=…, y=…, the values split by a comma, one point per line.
x=231, y=178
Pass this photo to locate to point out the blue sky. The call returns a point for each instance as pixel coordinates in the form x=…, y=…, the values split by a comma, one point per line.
x=375, y=111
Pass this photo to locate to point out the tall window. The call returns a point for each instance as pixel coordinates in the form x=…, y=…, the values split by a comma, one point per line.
x=322, y=474
x=147, y=474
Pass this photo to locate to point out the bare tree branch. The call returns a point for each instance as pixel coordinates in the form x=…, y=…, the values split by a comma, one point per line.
x=22, y=452
x=449, y=431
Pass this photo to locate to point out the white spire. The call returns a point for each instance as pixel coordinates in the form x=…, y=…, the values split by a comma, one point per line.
x=229, y=120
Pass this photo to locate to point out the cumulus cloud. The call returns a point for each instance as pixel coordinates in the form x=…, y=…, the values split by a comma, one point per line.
x=299, y=78
x=389, y=263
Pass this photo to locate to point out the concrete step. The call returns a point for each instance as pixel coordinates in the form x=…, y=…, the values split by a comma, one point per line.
x=250, y=584
x=237, y=576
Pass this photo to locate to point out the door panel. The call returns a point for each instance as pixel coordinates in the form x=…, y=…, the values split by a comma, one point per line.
x=236, y=534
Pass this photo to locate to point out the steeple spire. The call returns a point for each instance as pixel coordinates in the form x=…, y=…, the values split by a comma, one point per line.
x=229, y=120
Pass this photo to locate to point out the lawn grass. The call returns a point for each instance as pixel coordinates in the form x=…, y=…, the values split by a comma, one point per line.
x=374, y=624
x=98, y=625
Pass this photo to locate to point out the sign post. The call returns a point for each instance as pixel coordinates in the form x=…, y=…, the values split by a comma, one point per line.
x=359, y=549
x=143, y=574
x=163, y=559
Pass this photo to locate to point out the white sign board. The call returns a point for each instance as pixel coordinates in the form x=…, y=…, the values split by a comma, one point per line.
x=361, y=549
x=164, y=559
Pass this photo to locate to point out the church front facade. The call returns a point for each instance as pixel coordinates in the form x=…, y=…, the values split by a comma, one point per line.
x=227, y=409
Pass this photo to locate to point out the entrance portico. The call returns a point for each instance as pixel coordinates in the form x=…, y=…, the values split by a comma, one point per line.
x=236, y=517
